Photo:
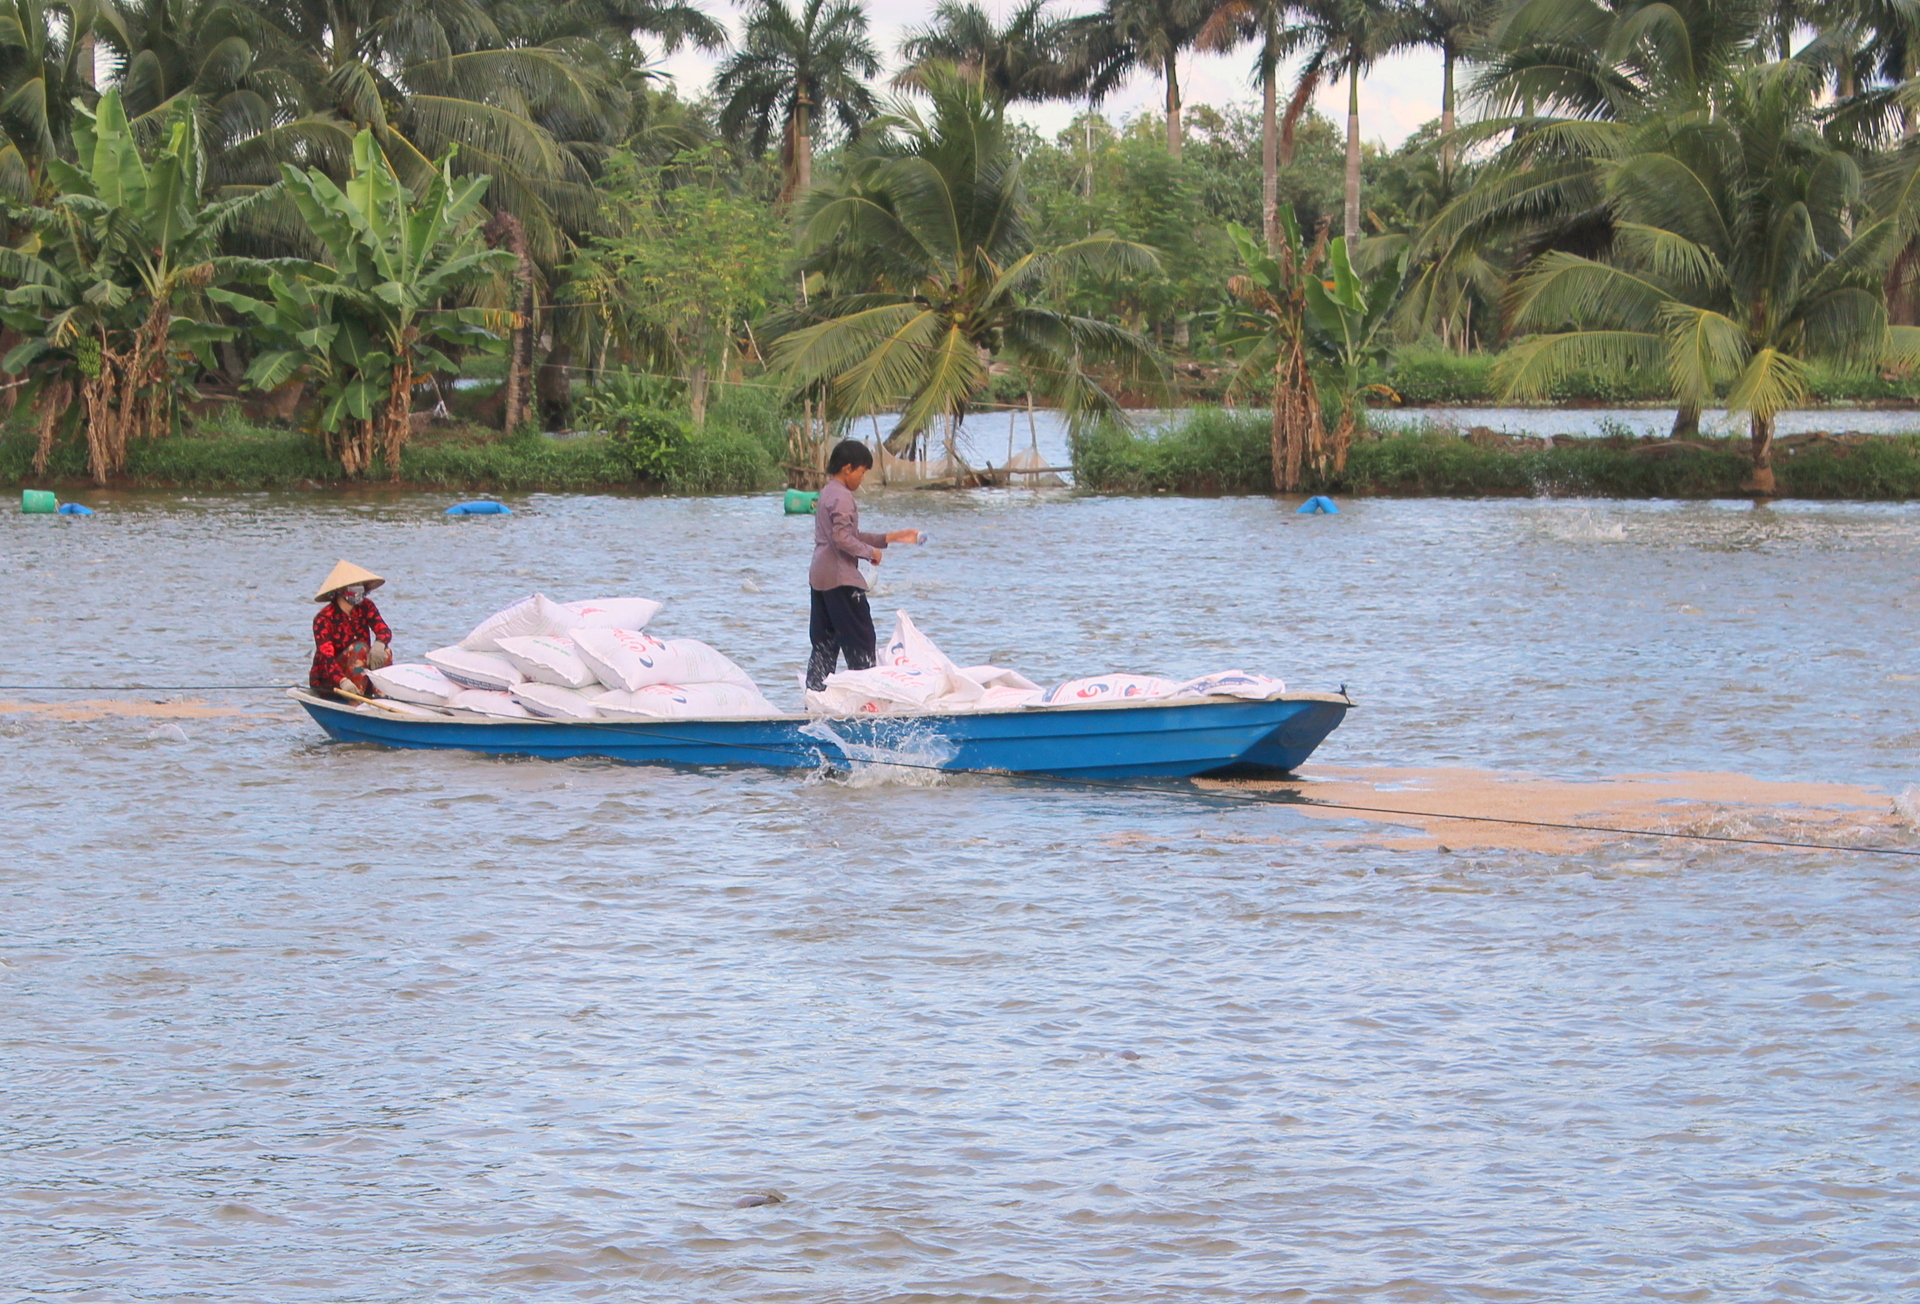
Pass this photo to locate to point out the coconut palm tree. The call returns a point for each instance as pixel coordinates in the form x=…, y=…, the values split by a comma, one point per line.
x=1448, y=26
x=1342, y=40
x=1743, y=247
x=924, y=248
x=794, y=67
x=46, y=66
x=1237, y=21
x=1154, y=34
x=1029, y=57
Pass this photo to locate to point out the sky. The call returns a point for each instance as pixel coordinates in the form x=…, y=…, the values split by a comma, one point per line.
x=1402, y=91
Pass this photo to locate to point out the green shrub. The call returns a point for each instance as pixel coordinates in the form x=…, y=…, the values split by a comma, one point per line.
x=719, y=459
x=529, y=460
x=641, y=417
x=761, y=411
x=1439, y=376
x=1211, y=451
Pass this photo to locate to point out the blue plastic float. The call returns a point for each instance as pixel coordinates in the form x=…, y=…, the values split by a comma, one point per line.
x=480, y=507
x=75, y=509
x=1316, y=504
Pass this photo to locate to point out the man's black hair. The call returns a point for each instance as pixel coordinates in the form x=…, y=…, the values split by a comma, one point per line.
x=846, y=453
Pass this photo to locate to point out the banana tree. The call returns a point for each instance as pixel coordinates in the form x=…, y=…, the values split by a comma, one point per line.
x=1347, y=321
x=1266, y=326
x=105, y=283
x=362, y=325
x=1305, y=315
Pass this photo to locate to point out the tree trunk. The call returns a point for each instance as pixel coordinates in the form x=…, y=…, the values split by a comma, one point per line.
x=1173, y=106
x=505, y=231
x=1446, y=110
x=1762, y=482
x=555, y=386
x=1297, y=428
x=398, y=423
x=1351, y=226
x=801, y=142
x=1686, y=422
x=697, y=393
x=1270, y=157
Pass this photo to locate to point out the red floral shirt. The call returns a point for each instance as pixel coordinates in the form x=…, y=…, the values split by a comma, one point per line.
x=334, y=631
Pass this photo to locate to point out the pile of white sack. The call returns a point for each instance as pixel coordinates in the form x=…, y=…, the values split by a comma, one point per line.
x=915, y=676
x=593, y=660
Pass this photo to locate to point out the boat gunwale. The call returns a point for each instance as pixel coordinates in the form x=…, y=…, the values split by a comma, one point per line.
x=307, y=697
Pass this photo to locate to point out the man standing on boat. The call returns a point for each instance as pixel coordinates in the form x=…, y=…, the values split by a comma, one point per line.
x=349, y=638
x=842, y=621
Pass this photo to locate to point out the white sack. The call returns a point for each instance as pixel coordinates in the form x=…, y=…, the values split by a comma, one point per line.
x=552, y=702
x=413, y=682
x=532, y=615
x=683, y=702
x=907, y=646
x=484, y=670
x=607, y=613
x=1107, y=688
x=1006, y=697
x=883, y=690
x=997, y=677
x=630, y=660
x=548, y=659
x=483, y=702
x=1233, y=683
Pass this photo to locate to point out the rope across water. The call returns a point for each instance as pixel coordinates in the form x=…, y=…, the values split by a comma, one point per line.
x=1216, y=794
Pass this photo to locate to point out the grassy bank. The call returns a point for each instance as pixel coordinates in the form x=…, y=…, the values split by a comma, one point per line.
x=1430, y=377
x=1219, y=452
x=736, y=452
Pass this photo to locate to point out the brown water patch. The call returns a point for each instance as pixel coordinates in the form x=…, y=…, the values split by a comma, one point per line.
x=1445, y=805
x=105, y=708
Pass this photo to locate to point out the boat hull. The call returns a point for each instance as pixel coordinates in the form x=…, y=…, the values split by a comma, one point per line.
x=1148, y=740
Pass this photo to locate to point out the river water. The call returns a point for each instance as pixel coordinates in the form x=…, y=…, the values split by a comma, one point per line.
x=288, y=1020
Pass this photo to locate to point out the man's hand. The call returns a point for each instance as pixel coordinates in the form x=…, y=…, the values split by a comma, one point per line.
x=878, y=553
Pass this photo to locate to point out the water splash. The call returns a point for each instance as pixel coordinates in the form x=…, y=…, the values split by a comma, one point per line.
x=911, y=756
x=1584, y=526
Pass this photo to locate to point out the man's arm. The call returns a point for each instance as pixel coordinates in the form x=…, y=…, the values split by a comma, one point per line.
x=854, y=543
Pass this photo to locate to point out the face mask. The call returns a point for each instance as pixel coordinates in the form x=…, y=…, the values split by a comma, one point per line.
x=353, y=593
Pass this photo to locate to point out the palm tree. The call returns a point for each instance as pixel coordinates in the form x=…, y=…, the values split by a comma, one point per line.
x=795, y=66
x=1153, y=34
x=1258, y=20
x=1615, y=60
x=427, y=76
x=1743, y=247
x=1343, y=39
x=924, y=246
x=1028, y=58
x=46, y=65
x=1447, y=26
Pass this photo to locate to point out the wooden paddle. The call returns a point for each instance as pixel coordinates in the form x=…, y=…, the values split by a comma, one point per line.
x=373, y=701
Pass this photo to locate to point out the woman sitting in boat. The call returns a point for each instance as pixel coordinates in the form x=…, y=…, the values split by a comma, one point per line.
x=349, y=638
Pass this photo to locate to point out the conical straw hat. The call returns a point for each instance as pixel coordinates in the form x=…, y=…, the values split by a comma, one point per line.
x=343, y=574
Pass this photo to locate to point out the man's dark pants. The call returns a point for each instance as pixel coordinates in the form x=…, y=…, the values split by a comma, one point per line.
x=842, y=622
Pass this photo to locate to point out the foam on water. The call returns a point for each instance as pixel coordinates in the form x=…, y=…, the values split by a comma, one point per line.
x=912, y=755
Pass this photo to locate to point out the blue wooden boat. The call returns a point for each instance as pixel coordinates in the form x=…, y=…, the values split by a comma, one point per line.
x=1112, y=741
